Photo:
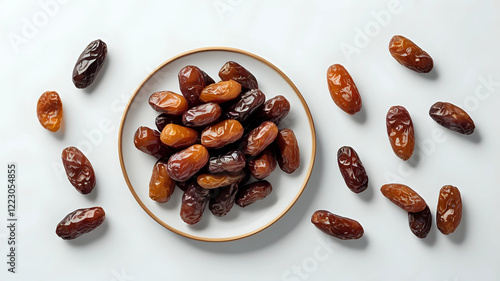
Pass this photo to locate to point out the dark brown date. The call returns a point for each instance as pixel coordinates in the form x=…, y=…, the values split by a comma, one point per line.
x=161, y=186
x=352, y=169
x=89, y=64
x=246, y=105
x=263, y=165
x=221, y=92
x=400, y=132
x=404, y=197
x=192, y=81
x=201, y=115
x=253, y=192
x=449, y=209
x=78, y=169
x=337, y=226
x=212, y=181
x=232, y=162
x=49, y=111
x=233, y=70
x=221, y=204
x=168, y=102
x=177, y=136
x=148, y=141
x=185, y=163
x=342, y=89
x=221, y=134
x=163, y=119
x=452, y=117
x=288, y=148
x=79, y=222
x=259, y=138
x=410, y=55
x=194, y=202
x=274, y=109
x=420, y=222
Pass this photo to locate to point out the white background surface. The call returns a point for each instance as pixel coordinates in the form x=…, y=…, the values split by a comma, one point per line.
x=302, y=38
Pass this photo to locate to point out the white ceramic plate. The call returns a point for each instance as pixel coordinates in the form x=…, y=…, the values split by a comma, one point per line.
x=240, y=222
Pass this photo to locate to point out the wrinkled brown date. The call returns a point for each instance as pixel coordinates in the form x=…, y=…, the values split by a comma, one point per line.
x=212, y=181
x=163, y=119
x=79, y=222
x=410, y=55
x=288, y=148
x=253, y=192
x=452, y=117
x=263, y=165
x=192, y=81
x=221, y=134
x=78, y=169
x=194, y=202
x=178, y=136
x=233, y=70
x=148, y=141
x=201, y=115
x=246, y=105
x=449, y=209
x=185, y=163
x=161, y=186
x=404, y=197
x=342, y=89
x=49, y=111
x=352, y=169
x=224, y=201
x=89, y=64
x=221, y=92
x=400, y=132
x=420, y=222
x=232, y=162
x=337, y=226
x=274, y=109
x=259, y=138
x=168, y=102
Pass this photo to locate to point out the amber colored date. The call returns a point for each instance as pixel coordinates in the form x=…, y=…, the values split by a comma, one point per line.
x=449, y=209
x=246, y=105
x=168, y=102
x=342, y=89
x=410, y=55
x=49, y=111
x=212, y=181
x=404, y=197
x=161, y=186
x=194, y=202
x=221, y=92
x=192, y=81
x=259, y=138
x=79, y=222
x=233, y=70
x=274, y=109
x=263, y=164
x=253, y=192
x=420, y=222
x=232, y=162
x=78, y=169
x=185, y=163
x=163, y=119
x=352, y=169
x=89, y=64
x=400, y=132
x=221, y=204
x=452, y=117
x=178, y=136
x=222, y=133
x=288, y=148
x=201, y=115
x=337, y=226
x=148, y=141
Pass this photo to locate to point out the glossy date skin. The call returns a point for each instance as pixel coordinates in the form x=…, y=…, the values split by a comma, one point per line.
x=259, y=138
x=186, y=163
x=161, y=186
x=337, y=226
x=232, y=162
x=404, y=197
x=263, y=165
x=192, y=81
x=449, y=209
x=89, y=64
x=221, y=134
x=79, y=222
x=220, y=92
x=212, y=181
x=201, y=115
x=246, y=105
x=149, y=141
x=233, y=70
x=79, y=171
x=194, y=202
x=177, y=136
x=342, y=89
x=400, y=132
x=352, y=169
x=168, y=102
x=163, y=119
x=221, y=204
x=452, y=117
x=49, y=111
x=420, y=222
x=288, y=155
x=253, y=192
x=410, y=55
x=274, y=109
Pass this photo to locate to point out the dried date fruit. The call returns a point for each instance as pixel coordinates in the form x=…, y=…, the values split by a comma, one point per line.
x=148, y=141
x=192, y=81
x=449, y=209
x=221, y=92
x=221, y=204
x=263, y=165
x=342, y=89
x=168, y=102
x=194, y=202
x=400, y=132
x=49, y=110
x=78, y=169
x=201, y=115
x=185, y=163
x=234, y=71
x=404, y=197
x=163, y=119
x=212, y=181
x=233, y=161
x=274, y=109
x=177, y=136
x=420, y=222
x=410, y=55
x=161, y=186
x=337, y=226
x=259, y=138
x=288, y=147
x=352, y=169
x=89, y=64
x=452, y=117
x=221, y=134
x=79, y=222
x=246, y=105
x=253, y=192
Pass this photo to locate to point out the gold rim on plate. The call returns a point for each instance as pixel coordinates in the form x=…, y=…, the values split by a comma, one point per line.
x=211, y=49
